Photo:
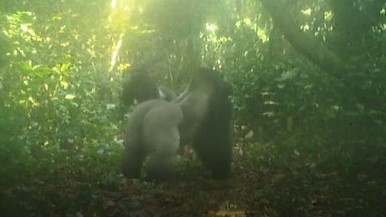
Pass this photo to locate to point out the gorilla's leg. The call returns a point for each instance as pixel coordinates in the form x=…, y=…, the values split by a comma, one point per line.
x=134, y=153
x=160, y=134
x=213, y=143
x=152, y=130
x=215, y=151
x=159, y=163
x=132, y=162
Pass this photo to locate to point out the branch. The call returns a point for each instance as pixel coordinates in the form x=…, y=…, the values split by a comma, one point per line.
x=304, y=42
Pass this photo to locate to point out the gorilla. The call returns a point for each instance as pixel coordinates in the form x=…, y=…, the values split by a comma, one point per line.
x=140, y=87
x=152, y=130
x=200, y=116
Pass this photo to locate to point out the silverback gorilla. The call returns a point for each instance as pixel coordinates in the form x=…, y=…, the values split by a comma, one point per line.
x=201, y=116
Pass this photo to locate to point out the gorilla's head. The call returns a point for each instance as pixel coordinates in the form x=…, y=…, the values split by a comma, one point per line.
x=139, y=86
x=206, y=77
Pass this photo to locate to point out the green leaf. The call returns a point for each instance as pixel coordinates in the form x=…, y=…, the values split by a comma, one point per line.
x=69, y=96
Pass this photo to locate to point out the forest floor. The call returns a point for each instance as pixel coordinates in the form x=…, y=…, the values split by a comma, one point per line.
x=252, y=190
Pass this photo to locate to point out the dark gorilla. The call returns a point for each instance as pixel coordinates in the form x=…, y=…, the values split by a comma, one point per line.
x=140, y=87
x=201, y=116
x=207, y=113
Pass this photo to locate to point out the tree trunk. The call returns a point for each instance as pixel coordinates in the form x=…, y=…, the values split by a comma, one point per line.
x=304, y=42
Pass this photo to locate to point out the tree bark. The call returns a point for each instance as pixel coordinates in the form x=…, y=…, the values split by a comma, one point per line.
x=304, y=42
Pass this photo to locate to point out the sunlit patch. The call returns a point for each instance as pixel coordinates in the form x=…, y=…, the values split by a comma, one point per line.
x=120, y=14
x=305, y=27
x=211, y=27
x=262, y=34
x=69, y=96
x=247, y=21
x=113, y=4
x=114, y=56
x=307, y=12
x=328, y=15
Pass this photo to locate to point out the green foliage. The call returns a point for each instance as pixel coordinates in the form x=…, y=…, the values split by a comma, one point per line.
x=14, y=157
x=57, y=94
x=61, y=122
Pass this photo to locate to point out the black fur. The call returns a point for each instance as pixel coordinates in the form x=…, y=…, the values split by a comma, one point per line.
x=140, y=87
x=212, y=141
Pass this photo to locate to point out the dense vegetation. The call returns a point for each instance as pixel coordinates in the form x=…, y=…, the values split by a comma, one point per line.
x=309, y=90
